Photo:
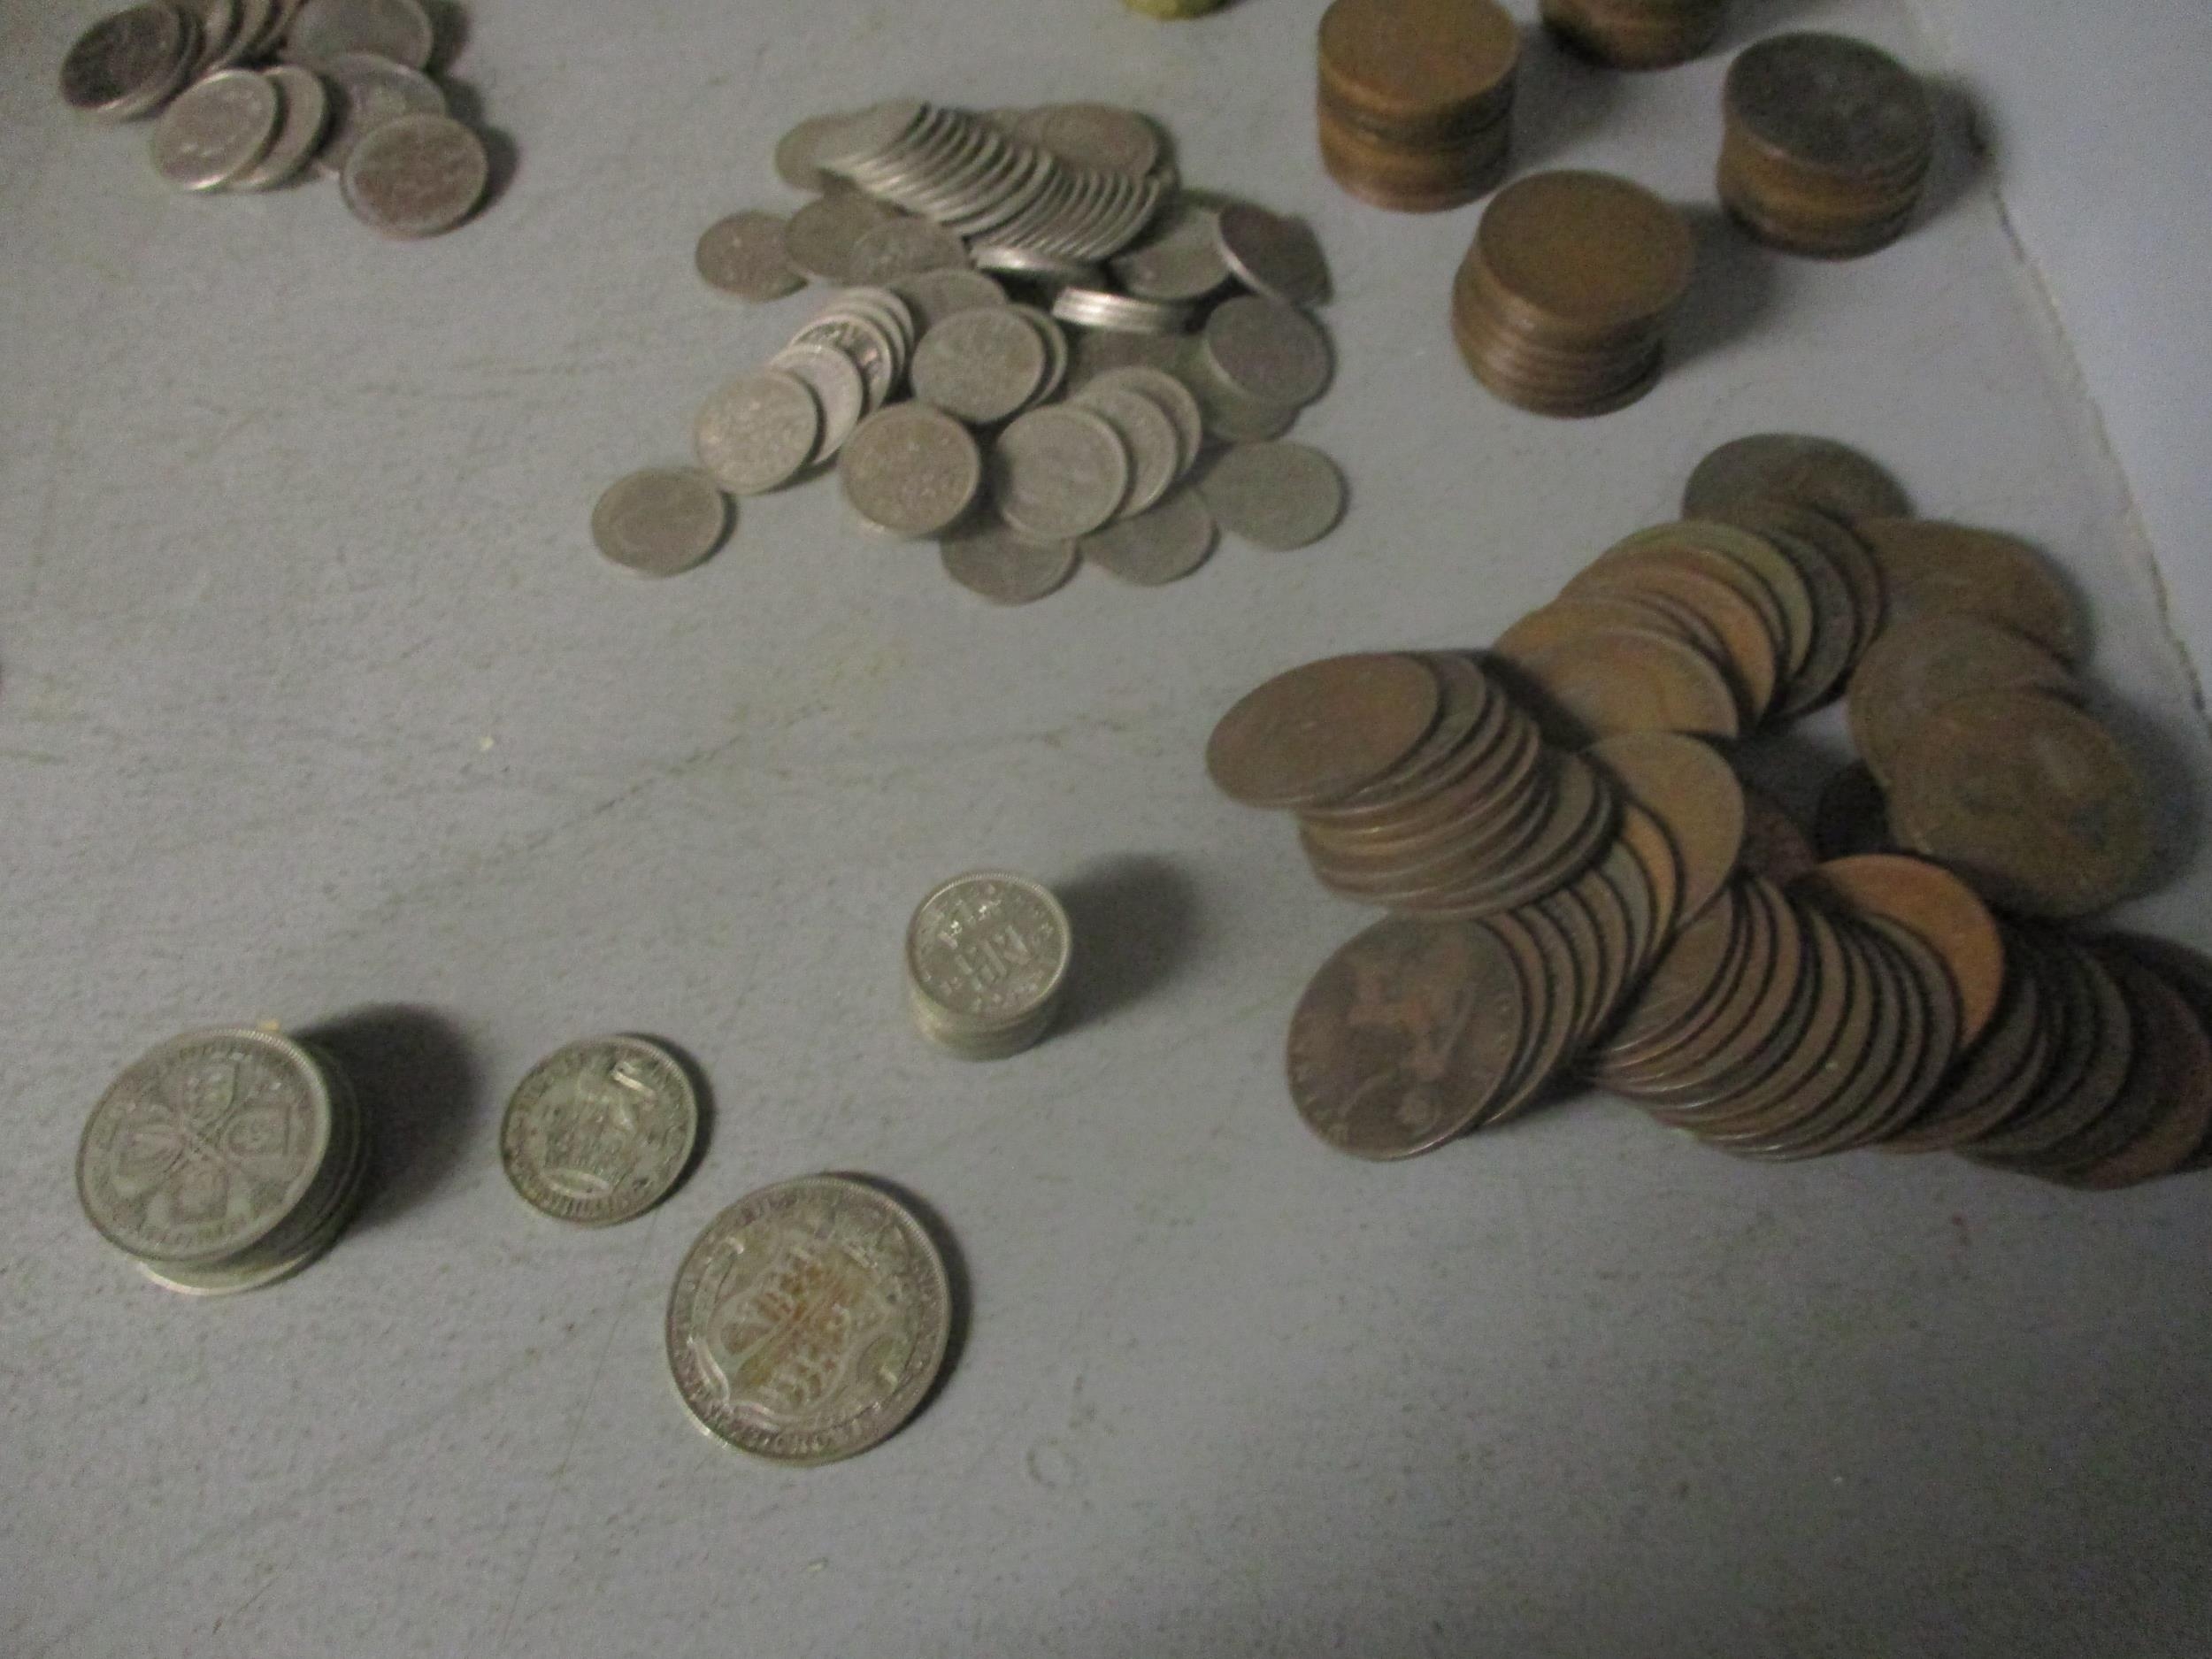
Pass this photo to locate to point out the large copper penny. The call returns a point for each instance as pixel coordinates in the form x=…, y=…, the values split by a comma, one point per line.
x=1798, y=1046
x=1694, y=795
x=1759, y=1007
x=1469, y=704
x=2171, y=1077
x=2189, y=975
x=1319, y=732
x=1626, y=679
x=1652, y=851
x=1546, y=1055
x=1589, y=254
x=1804, y=537
x=1998, y=1075
x=1689, y=973
x=1923, y=662
x=1793, y=471
x=1749, y=654
x=1939, y=910
x=2089, y=1074
x=1928, y=566
x=1418, y=66
x=1653, y=1066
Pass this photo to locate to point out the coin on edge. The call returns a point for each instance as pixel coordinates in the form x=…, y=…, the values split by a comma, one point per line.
x=600, y=1131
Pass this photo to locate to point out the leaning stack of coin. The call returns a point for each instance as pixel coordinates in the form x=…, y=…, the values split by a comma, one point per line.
x=1636, y=33
x=988, y=957
x=1561, y=305
x=1415, y=99
x=1827, y=145
x=223, y=1160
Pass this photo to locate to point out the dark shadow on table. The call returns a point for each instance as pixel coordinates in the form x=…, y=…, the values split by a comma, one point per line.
x=421, y=1091
x=1135, y=919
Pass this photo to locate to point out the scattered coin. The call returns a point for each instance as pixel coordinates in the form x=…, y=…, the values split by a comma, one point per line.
x=1929, y=566
x=1797, y=471
x=1275, y=496
x=661, y=520
x=1058, y=472
x=306, y=118
x=129, y=63
x=820, y=237
x=841, y=393
x=911, y=471
x=1272, y=255
x=758, y=432
x=415, y=175
x=1922, y=662
x=1268, y=351
x=399, y=30
x=1148, y=432
x=1320, y=733
x=799, y=153
x=936, y=295
x=744, y=255
x=368, y=91
x=600, y=1131
x=981, y=364
x=217, y=130
x=1161, y=544
x=991, y=560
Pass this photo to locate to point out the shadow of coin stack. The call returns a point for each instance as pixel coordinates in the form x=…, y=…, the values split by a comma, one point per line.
x=1636, y=33
x=1415, y=99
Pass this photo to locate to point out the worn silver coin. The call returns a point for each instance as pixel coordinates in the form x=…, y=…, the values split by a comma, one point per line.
x=911, y=471
x=1094, y=135
x=820, y=237
x=222, y=43
x=1058, y=354
x=1229, y=414
x=415, y=175
x=1162, y=545
x=1095, y=308
x=758, y=432
x=1173, y=397
x=1004, y=568
x=934, y=296
x=743, y=254
x=1276, y=496
x=840, y=390
x=981, y=364
x=904, y=247
x=1058, y=472
x=399, y=30
x=1272, y=255
x=367, y=91
x=1270, y=352
x=867, y=340
x=600, y=1131
x=660, y=520
x=1182, y=263
x=217, y=129
x=799, y=151
x=128, y=62
x=247, y=36
x=1148, y=431
x=989, y=951
x=299, y=134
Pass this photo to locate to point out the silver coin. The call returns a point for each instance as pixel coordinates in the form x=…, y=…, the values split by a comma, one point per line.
x=759, y=431
x=809, y=1320
x=838, y=389
x=1010, y=259
x=911, y=471
x=981, y=364
x=1094, y=135
x=821, y=236
x=1057, y=352
x=270, y=40
x=744, y=255
x=415, y=175
x=1148, y=431
x=904, y=247
x=248, y=33
x=661, y=520
x=869, y=342
x=217, y=129
x=1271, y=352
x=934, y=295
x=1099, y=351
x=300, y=133
x=989, y=950
x=799, y=153
x=870, y=133
x=1276, y=496
x=599, y=1131
x=1272, y=255
x=1162, y=545
x=1173, y=398
x=399, y=30
x=220, y=32
x=888, y=308
x=1097, y=308
x=1182, y=263
x=206, y=1146
x=1229, y=414
x=367, y=91
x=991, y=560
x=128, y=62
x=1058, y=472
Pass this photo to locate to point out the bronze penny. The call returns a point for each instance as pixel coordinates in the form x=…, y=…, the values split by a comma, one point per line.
x=1996, y=1076
x=1893, y=1060
x=1923, y=662
x=1832, y=103
x=1773, y=846
x=2131, y=1109
x=1802, y=536
x=1319, y=732
x=1543, y=992
x=1620, y=923
x=1589, y=253
x=1853, y=815
x=1629, y=681
x=1405, y=1037
x=1940, y=1001
x=1793, y=471
x=1655, y=860
x=2177, y=1056
x=1694, y=967
x=1931, y=566
x=1549, y=1055
x=1759, y=1008
x=1691, y=542
x=1775, y=571
x=1419, y=66
x=1941, y=911
x=1795, y=1051
x=2189, y=974
x=1417, y=871
x=1469, y=705
x=1499, y=782
x=1750, y=659
x=2099, y=1034
x=1498, y=749
x=1693, y=793
x=1580, y=930
x=1722, y=1010
x=1582, y=821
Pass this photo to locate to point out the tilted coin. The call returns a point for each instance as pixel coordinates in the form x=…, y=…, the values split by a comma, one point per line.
x=367, y=91
x=1094, y=135
x=758, y=432
x=222, y=43
x=1028, y=262
x=1938, y=907
x=300, y=133
x=1058, y=472
x=867, y=339
x=1095, y=308
x=661, y=520
x=904, y=247
x=415, y=175
x=991, y=560
x=980, y=364
x=1275, y=496
x=809, y=1320
x=744, y=255
x=1058, y=353
x=1318, y=732
x=1228, y=413
x=1161, y=544
x=600, y=1131
x=819, y=237
x=1169, y=394
x=1182, y=263
x=1148, y=432
x=128, y=62
x=934, y=296
x=217, y=129
x=799, y=152
x=1924, y=660
x=839, y=391
x=1272, y=255
x=911, y=471
x=1800, y=470
x=1928, y=566
x=397, y=30
x=1268, y=351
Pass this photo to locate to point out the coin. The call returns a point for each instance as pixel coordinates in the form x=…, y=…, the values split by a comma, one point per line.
x=1831, y=102
x=217, y=129
x=758, y=432
x=1148, y=433
x=988, y=959
x=1316, y=733
x=397, y=30
x=1268, y=351
x=1797, y=471
x=839, y=391
x=1180, y=263
x=820, y=237
x=867, y=340
x=1229, y=414
x=937, y=295
x=1693, y=795
x=911, y=471
x=1058, y=472
x=744, y=255
x=1100, y=308
x=2166, y=1110
x=1611, y=680
x=991, y=560
x=1591, y=251
x=903, y=247
x=1940, y=909
x=1058, y=353
x=1929, y=566
x=661, y=520
x=1094, y=135
x=809, y=1320
x=1271, y=255
x=981, y=364
x=368, y=91
x=1166, y=393
x=599, y=1131
x=799, y=152
x=1275, y=496
x=415, y=175
x=1163, y=544
x=1924, y=660
x=300, y=133
x=126, y=64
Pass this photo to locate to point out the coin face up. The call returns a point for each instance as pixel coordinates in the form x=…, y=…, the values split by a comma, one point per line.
x=415, y=175
x=600, y=1131
x=992, y=561
x=810, y=1320
x=1795, y=470
x=989, y=948
x=661, y=520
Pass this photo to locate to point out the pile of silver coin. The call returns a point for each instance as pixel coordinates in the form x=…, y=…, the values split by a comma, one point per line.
x=1037, y=353
x=350, y=100
x=987, y=955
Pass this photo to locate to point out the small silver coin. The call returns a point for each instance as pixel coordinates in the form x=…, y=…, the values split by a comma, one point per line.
x=1275, y=496
x=1094, y=135
x=840, y=390
x=1102, y=350
x=1170, y=395
x=217, y=129
x=934, y=295
x=300, y=133
x=911, y=471
x=886, y=307
x=1010, y=260
x=367, y=91
x=1230, y=415
x=989, y=951
x=128, y=62
x=871, y=133
x=415, y=175
x=819, y=238
x=798, y=154
x=991, y=560
x=904, y=247
x=220, y=33
x=870, y=342
x=981, y=364
x=1058, y=472
x=758, y=432
x=399, y=30
x=243, y=43
x=744, y=255
x=1148, y=432
x=809, y=1320
x=1272, y=255
x=661, y=520
x=600, y=1131
x=1182, y=262
x=1057, y=352
x=1163, y=545
x=1095, y=308
x=1271, y=352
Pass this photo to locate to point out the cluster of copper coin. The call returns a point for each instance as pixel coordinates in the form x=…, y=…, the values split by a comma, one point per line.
x=1415, y=99
x=1636, y=33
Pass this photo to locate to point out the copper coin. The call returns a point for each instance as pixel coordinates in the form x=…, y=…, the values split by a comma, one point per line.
x=1405, y=797
x=1939, y=910
x=1693, y=968
x=1546, y=1055
x=1773, y=846
x=1438, y=860
x=2189, y=975
x=1625, y=679
x=1775, y=573
x=1758, y=1007
x=1927, y=566
x=1832, y=102
x=2066, y=1043
x=1501, y=778
x=1575, y=832
x=1619, y=932
x=1317, y=733
x=1938, y=1003
x=1418, y=63
x=1579, y=929
x=1720, y=1014
x=1799, y=1045
x=1468, y=701
x=2034, y=801
x=1586, y=251
x=1853, y=816
x=1795, y=471
x=1656, y=861
x=1923, y=662
x=2099, y=1039
x=1695, y=797
x=2176, y=1057
x=1752, y=660
x=1735, y=558
x=1989, y=1083
x=1802, y=536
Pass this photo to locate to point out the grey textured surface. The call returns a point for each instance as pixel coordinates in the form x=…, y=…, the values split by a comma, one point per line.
x=316, y=704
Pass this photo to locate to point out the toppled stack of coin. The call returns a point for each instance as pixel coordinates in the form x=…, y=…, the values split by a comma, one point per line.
x=1827, y=145
x=223, y=1160
x=350, y=99
x=1415, y=103
x=988, y=957
x=1560, y=304
x=1636, y=33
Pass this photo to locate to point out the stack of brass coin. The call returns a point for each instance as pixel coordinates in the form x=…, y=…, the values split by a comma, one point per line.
x=1827, y=145
x=1415, y=99
x=1561, y=305
x=987, y=955
x=1636, y=33
x=223, y=1160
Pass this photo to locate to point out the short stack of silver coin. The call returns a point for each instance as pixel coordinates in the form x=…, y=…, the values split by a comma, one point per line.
x=350, y=99
x=987, y=956
x=1078, y=341
x=224, y=1160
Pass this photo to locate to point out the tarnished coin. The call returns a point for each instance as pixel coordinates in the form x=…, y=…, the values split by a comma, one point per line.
x=904, y=247
x=840, y=390
x=1939, y=910
x=125, y=65
x=367, y=91
x=1693, y=794
x=1057, y=472
x=1150, y=434
x=1094, y=135
x=989, y=951
x=820, y=237
x=1179, y=263
x=799, y=153
x=1275, y=496
x=758, y=432
x=871, y=342
x=1272, y=255
x=1931, y=566
x=395, y=29
x=744, y=255
x=911, y=471
x=991, y=560
x=1923, y=661
x=1316, y=733
x=980, y=364
x=1173, y=397
x=1268, y=351
x=221, y=45
x=1161, y=544
x=415, y=175
x=299, y=134
x=1831, y=102
x=1797, y=471
x=600, y=1131
x=217, y=129
x=809, y=1320
x=661, y=520
x=934, y=296
x=1773, y=845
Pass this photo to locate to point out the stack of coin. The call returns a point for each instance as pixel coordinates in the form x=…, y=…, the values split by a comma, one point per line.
x=1560, y=304
x=1636, y=33
x=223, y=1160
x=987, y=955
x=1415, y=99
x=1827, y=145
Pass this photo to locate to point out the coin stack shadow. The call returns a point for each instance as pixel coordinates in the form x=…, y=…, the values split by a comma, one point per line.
x=1414, y=103
x=1636, y=33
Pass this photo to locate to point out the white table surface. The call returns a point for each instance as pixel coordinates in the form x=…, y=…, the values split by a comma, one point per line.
x=316, y=705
